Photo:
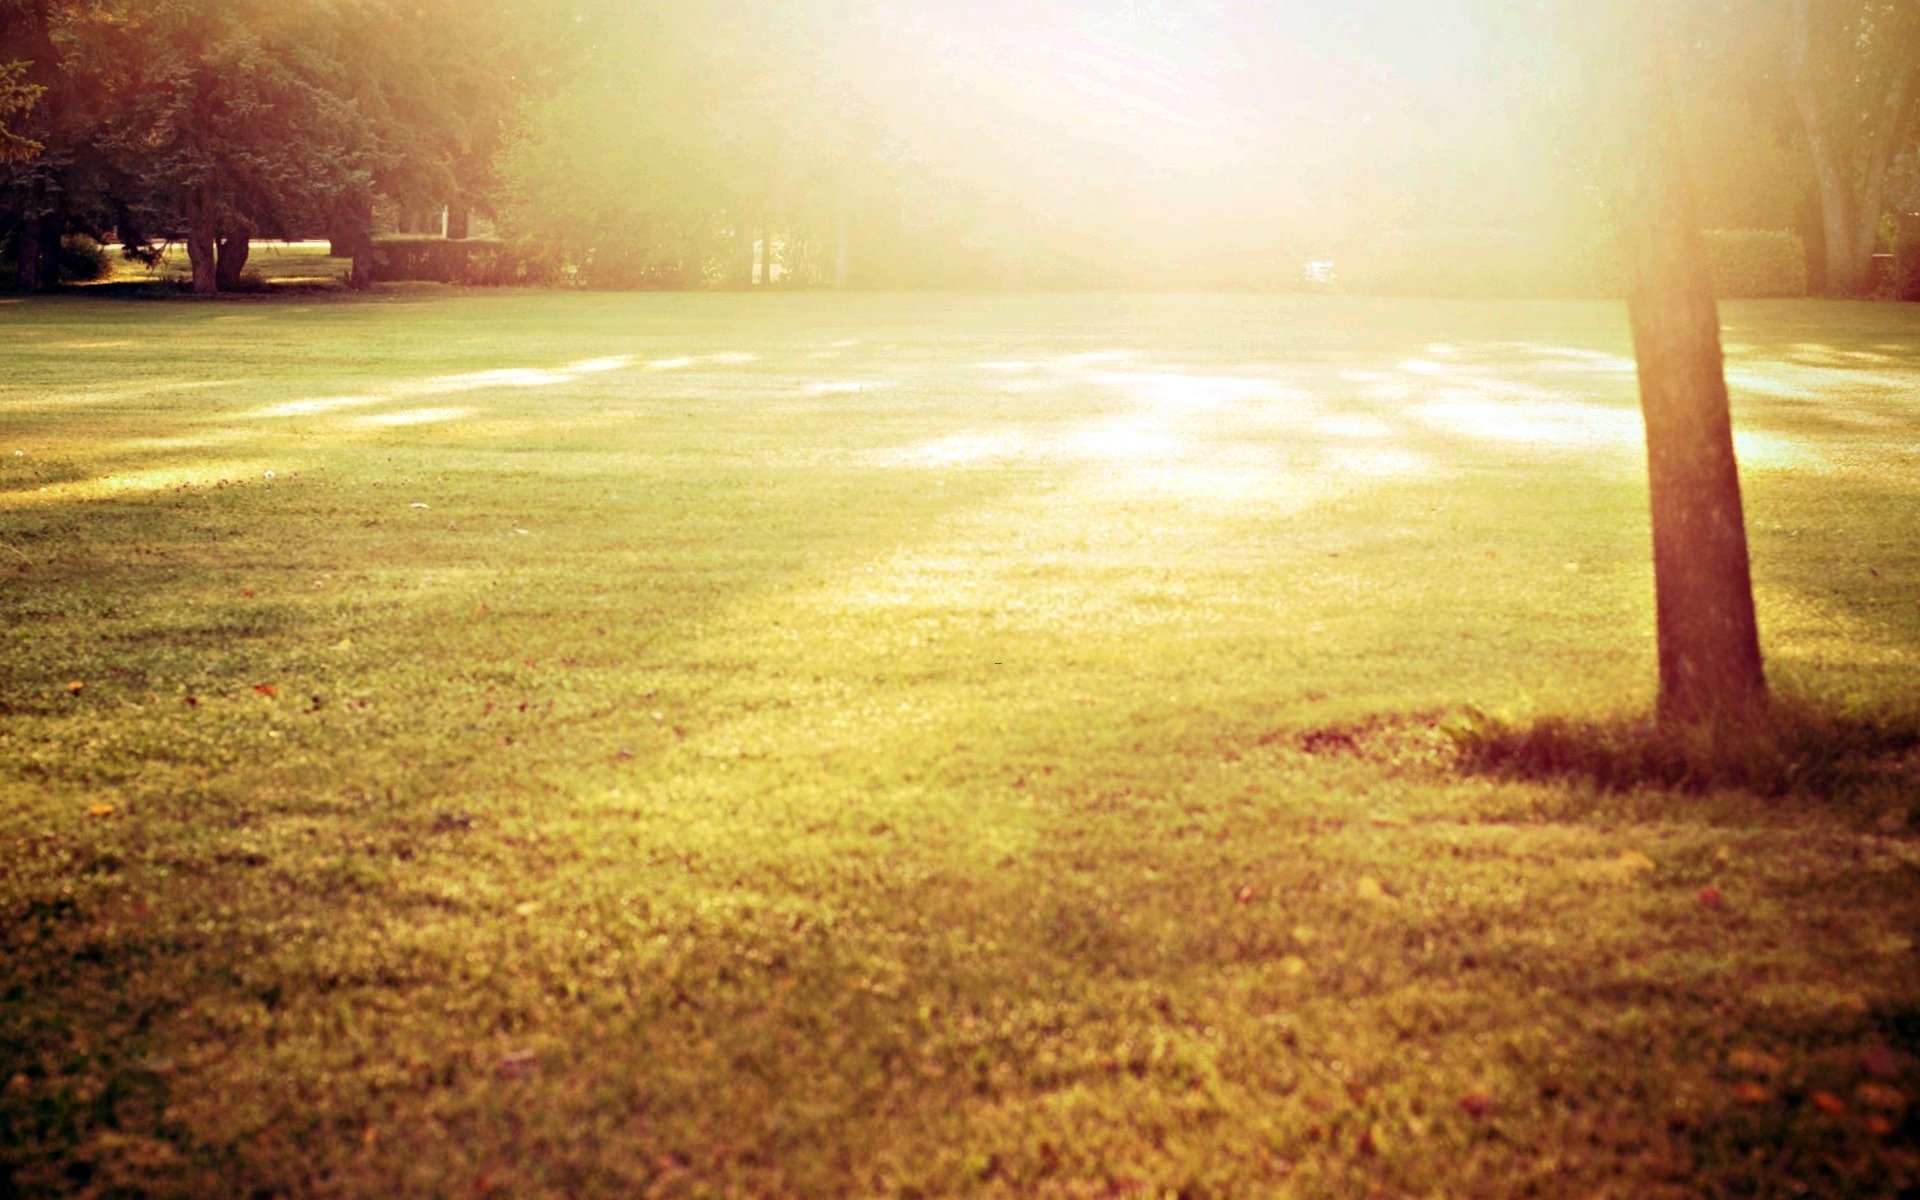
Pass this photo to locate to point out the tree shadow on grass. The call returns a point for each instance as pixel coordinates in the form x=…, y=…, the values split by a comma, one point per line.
x=1797, y=750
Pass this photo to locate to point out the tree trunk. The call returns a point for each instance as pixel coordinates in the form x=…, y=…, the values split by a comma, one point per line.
x=1849, y=221
x=1710, y=667
x=201, y=239
x=26, y=266
x=459, y=223
x=766, y=252
x=357, y=226
x=231, y=260
x=1843, y=275
x=1890, y=131
x=743, y=249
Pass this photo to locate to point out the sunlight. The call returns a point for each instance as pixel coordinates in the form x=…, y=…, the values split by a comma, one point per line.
x=1542, y=421
x=1763, y=451
x=1125, y=440
x=446, y=385
x=851, y=387
x=960, y=449
x=315, y=406
x=681, y=363
x=137, y=483
x=1182, y=392
x=414, y=416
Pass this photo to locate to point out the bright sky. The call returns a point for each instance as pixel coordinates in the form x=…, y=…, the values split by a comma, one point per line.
x=1207, y=120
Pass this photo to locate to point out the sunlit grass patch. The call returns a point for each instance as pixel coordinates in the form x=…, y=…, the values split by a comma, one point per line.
x=685, y=768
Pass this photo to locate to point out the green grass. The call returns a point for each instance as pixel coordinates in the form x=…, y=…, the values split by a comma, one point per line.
x=284, y=266
x=815, y=746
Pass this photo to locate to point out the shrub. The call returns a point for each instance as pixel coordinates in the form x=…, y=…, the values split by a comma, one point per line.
x=473, y=262
x=1750, y=264
x=82, y=260
x=1746, y=264
x=1463, y=263
x=1906, y=258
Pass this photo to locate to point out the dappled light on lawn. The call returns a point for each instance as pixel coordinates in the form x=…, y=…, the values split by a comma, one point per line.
x=611, y=734
x=138, y=484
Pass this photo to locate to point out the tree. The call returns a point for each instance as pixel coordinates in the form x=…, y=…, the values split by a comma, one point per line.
x=243, y=124
x=1854, y=73
x=16, y=97
x=1709, y=648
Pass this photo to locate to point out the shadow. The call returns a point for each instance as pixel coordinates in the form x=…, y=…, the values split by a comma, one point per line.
x=1870, y=764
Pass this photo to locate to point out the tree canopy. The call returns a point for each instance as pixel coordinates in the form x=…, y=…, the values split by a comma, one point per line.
x=826, y=141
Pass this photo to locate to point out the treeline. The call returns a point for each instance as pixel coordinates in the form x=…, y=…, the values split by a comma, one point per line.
x=215, y=122
x=1062, y=143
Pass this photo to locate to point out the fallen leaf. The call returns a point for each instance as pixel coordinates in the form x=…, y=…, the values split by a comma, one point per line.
x=1368, y=888
x=101, y=810
x=1751, y=1094
x=1710, y=897
x=1633, y=860
x=1879, y=1060
x=1293, y=965
x=1747, y=1061
x=1476, y=1104
x=1829, y=1104
x=528, y=909
x=266, y=689
x=1247, y=894
x=521, y=1064
x=1385, y=821
x=417, y=504
x=76, y=687
x=1880, y=1096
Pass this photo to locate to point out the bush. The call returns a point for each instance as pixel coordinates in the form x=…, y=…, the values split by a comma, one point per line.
x=1752, y=264
x=1746, y=264
x=473, y=262
x=1463, y=263
x=82, y=260
x=1906, y=258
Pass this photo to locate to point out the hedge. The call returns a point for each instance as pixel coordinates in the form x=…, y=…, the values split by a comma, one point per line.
x=1462, y=263
x=1750, y=264
x=471, y=262
x=1746, y=264
x=1906, y=257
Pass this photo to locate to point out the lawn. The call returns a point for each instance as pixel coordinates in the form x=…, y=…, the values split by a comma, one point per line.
x=922, y=746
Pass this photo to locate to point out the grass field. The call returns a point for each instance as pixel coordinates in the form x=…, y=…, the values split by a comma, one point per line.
x=882, y=746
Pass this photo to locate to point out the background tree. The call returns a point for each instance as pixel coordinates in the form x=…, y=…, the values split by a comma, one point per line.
x=16, y=97
x=244, y=124
x=1852, y=69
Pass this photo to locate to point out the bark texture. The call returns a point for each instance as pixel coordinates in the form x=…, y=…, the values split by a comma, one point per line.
x=1709, y=646
x=231, y=262
x=202, y=243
